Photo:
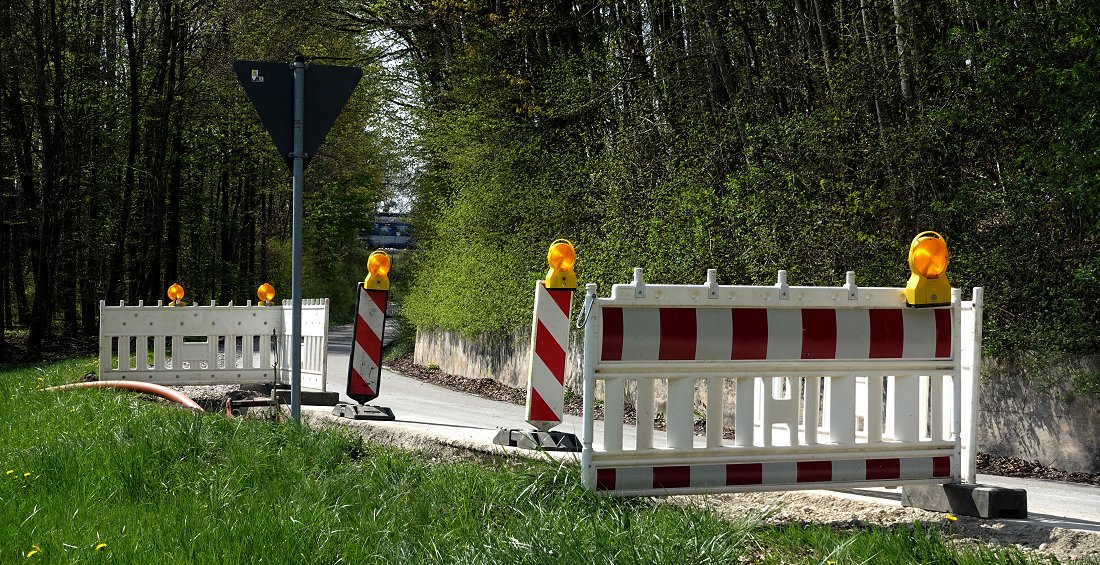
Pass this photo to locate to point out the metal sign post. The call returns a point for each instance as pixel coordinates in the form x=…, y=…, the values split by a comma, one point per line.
x=297, y=171
x=281, y=100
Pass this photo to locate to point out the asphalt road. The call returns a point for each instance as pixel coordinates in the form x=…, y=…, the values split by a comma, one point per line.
x=434, y=410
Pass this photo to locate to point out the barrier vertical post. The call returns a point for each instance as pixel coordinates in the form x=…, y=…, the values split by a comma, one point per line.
x=549, y=355
x=365, y=362
x=970, y=377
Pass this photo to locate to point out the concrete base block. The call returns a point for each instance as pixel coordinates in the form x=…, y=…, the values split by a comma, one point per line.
x=534, y=439
x=309, y=397
x=982, y=501
x=357, y=412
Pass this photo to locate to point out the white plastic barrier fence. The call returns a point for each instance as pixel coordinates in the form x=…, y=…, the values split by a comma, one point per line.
x=192, y=345
x=832, y=387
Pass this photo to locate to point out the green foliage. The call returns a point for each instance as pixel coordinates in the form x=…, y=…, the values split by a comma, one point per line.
x=100, y=475
x=764, y=139
x=135, y=160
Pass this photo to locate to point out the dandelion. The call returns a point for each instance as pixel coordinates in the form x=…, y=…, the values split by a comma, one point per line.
x=35, y=550
x=10, y=472
x=100, y=546
x=952, y=518
x=27, y=475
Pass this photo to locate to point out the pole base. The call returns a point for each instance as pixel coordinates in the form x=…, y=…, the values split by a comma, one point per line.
x=364, y=412
x=534, y=439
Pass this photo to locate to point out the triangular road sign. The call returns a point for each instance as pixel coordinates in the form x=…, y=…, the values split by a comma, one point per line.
x=270, y=87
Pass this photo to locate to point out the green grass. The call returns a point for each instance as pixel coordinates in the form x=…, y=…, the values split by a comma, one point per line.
x=158, y=484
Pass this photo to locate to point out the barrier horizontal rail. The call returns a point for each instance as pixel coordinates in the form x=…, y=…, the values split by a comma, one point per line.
x=813, y=390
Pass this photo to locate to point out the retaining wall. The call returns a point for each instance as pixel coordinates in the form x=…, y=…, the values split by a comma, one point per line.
x=1035, y=422
x=1016, y=419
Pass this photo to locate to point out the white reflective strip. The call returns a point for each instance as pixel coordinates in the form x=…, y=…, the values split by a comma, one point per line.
x=546, y=384
x=779, y=473
x=552, y=318
x=708, y=475
x=371, y=314
x=641, y=334
x=919, y=325
x=916, y=468
x=366, y=367
x=844, y=471
x=784, y=333
x=632, y=478
x=853, y=334
x=714, y=334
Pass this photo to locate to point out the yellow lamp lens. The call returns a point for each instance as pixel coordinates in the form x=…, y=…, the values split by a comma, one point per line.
x=378, y=264
x=175, y=292
x=266, y=292
x=561, y=256
x=928, y=257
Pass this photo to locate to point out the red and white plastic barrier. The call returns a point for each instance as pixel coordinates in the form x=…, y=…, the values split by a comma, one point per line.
x=807, y=369
x=365, y=366
x=202, y=345
x=549, y=347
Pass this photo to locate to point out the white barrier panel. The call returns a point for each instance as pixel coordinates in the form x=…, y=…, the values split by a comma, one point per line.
x=193, y=345
x=834, y=387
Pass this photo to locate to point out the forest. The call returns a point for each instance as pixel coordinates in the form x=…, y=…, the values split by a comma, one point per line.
x=815, y=136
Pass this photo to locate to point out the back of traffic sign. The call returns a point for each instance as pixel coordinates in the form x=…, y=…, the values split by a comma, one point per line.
x=270, y=87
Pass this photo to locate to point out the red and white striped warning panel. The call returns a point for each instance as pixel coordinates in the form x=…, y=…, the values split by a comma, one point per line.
x=781, y=475
x=550, y=341
x=724, y=334
x=365, y=367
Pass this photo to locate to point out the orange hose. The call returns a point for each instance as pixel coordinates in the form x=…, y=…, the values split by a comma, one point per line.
x=147, y=388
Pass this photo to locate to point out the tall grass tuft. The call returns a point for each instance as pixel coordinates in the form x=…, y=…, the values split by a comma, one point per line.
x=95, y=476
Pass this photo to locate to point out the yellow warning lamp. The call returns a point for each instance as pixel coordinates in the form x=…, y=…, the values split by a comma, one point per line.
x=561, y=258
x=378, y=267
x=175, y=294
x=928, y=285
x=266, y=293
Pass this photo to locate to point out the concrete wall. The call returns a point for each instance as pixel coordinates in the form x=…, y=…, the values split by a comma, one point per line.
x=500, y=357
x=1015, y=419
x=1055, y=428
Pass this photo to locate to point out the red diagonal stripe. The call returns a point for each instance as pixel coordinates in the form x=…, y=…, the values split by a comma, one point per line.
x=612, y=349
x=678, y=329
x=358, y=385
x=550, y=351
x=943, y=333
x=563, y=298
x=379, y=298
x=750, y=333
x=540, y=411
x=366, y=338
x=818, y=333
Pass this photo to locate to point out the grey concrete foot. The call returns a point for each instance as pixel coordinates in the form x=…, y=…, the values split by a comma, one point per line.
x=357, y=412
x=534, y=439
x=983, y=501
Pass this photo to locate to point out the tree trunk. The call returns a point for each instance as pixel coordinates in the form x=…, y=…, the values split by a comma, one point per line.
x=899, y=36
x=116, y=272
